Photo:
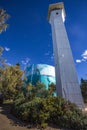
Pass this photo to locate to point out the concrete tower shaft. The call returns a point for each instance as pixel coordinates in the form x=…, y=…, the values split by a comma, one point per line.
x=66, y=77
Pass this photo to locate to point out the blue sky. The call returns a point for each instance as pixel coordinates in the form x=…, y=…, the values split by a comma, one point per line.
x=29, y=39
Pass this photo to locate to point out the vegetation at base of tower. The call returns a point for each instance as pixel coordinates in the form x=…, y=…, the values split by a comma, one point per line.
x=38, y=109
x=52, y=110
x=84, y=89
x=37, y=105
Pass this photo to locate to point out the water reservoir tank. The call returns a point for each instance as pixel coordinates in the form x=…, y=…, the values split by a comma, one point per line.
x=40, y=72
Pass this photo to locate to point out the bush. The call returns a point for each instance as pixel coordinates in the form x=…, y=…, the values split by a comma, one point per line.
x=32, y=111
x=52, y=110
x=65, y=114
x=1, y=98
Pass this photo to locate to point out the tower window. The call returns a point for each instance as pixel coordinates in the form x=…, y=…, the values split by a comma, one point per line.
x=56, y=13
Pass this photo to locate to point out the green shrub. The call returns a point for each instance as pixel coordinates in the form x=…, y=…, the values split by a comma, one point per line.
x=32, y=111
x=66, y=115
x=52, y=110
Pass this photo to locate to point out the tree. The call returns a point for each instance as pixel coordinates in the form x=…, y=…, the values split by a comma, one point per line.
x=39, y=90
x=11, y=81
x=31, y=91
x=3, y=17
x=3, y=26
x=52, y=89
x=84, y=89
x=2, y=60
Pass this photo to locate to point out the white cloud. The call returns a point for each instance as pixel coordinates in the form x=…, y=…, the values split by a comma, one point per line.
x=9, y=64
x=7, y=49
x=25, y=61
x=84, y=55
x=78, y=61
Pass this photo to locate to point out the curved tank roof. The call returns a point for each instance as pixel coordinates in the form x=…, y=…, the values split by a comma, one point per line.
x=44, y=69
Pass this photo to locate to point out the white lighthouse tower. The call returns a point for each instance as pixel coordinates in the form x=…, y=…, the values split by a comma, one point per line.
x=67, y=84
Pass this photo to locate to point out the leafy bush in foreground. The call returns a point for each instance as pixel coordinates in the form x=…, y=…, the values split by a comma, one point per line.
x=52, y=110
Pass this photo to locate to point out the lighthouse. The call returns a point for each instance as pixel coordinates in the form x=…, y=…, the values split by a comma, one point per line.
x=67, y=84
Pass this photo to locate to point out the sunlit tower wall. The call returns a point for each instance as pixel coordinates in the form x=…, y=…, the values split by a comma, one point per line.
x=67, y=84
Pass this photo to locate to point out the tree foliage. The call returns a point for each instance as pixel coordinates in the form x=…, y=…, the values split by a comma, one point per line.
x=84, y=89
x=39, y=90
x=40, y=108
x=11, y=81
x=3, y=17
x=3, y=26
x=51, y=110
x=2, y=59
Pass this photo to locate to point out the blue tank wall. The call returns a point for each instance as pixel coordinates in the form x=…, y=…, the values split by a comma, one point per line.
x=40, y=72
